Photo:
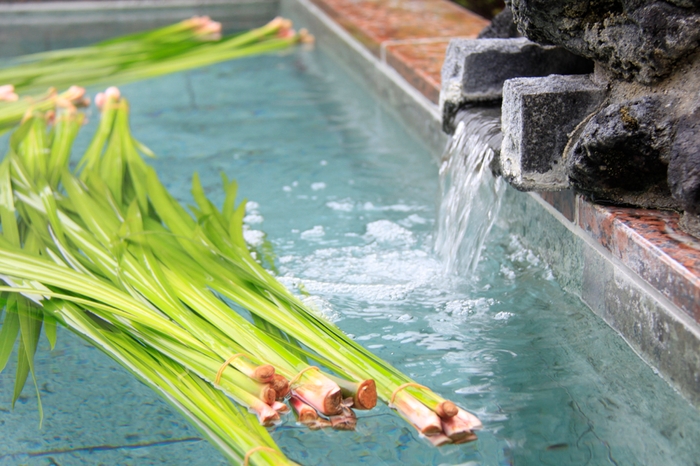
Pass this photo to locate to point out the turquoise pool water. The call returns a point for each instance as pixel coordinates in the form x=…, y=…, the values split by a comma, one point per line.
x=348, y=198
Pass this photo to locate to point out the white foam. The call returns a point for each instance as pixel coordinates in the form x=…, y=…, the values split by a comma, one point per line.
x=394, y=208
x=314, y=233
x=253, y=218
x=253, y=237
x=507, y=273
x=318, y=186
x=322, y=307
x=385, y=231
x=413, y=219
x=343, y=206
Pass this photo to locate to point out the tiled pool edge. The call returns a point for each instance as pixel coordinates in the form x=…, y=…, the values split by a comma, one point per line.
x=657, y=329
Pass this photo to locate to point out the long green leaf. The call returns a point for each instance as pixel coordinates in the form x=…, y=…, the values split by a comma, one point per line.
x=30, y=322
x=9, y=332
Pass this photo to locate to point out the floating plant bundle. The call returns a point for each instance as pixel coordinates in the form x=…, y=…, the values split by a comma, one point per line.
x=177, y=298
x=13, y=109
x=188, y=44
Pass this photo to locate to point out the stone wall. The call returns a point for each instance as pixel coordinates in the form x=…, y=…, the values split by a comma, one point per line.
x=628, y=133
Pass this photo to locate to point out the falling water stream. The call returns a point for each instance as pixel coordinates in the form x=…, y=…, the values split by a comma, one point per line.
x=470, y=195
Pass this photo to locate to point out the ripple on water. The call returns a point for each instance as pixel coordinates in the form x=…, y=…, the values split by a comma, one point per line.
x=540, y=369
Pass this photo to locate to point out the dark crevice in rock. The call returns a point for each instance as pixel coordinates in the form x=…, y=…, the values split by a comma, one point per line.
x=684, y=165
x=502, y=27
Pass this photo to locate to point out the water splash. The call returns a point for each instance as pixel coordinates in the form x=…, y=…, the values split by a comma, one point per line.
x=470, y=195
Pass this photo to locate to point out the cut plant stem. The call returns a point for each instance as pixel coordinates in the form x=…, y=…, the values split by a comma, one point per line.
x=304, y=413
x=281, y=386
x=321, y=393
x=423, y=419
x=460, y=428
x=363, y=394
x=456, y=429
x=439, y=440
x=321, y=423
x=446, y=409
x=470, y=419
x=469, y=438
x=280, y=407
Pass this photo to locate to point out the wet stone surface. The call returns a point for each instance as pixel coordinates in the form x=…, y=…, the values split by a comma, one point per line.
x=684, y=165
x=625, y=148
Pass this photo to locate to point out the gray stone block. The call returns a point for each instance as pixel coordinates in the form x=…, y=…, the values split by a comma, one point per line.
x=475, y=69
x=538, y=114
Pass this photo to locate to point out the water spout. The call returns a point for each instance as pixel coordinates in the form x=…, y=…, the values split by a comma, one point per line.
x=470, y=195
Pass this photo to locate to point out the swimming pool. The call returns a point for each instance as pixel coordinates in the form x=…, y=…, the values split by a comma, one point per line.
x=347, y=197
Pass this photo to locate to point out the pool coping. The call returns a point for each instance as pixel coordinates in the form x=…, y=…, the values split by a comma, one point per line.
x=33, y=7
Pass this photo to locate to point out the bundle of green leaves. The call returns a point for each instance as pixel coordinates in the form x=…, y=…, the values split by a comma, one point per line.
x=177, y=298
x=30, y=82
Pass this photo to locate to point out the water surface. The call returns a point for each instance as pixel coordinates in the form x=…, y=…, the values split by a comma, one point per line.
x=348, y=199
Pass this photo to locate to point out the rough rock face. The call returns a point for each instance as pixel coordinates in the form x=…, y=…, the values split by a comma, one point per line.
x=642, y=147
x=623, y=151
x=475, y=70
x=638, y=40
x=684, y=165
